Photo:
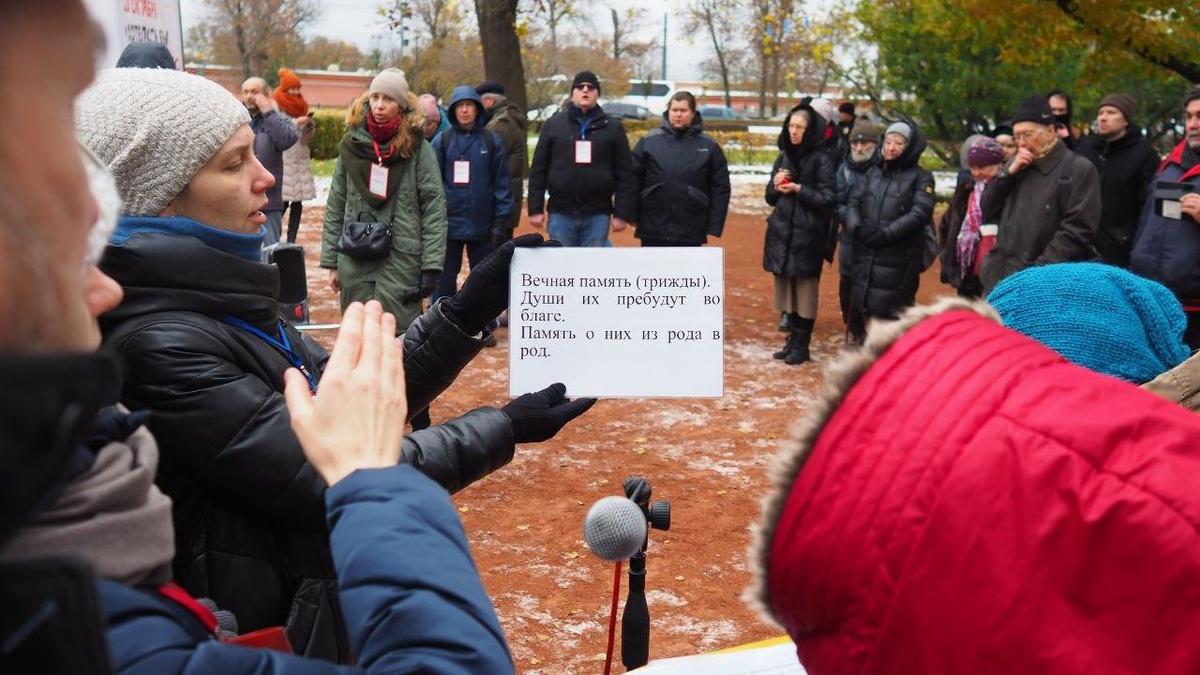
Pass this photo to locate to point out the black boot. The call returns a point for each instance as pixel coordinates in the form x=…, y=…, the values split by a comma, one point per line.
x=798, y=349
x=783, y=326
x=789, y=320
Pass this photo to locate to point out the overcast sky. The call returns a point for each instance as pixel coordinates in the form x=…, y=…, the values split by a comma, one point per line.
x=356, y=21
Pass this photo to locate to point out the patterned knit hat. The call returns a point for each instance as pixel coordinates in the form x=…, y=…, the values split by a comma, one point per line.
x=154, y=129
x=1098, y=316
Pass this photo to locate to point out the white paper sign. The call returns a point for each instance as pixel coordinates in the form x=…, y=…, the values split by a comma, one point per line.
x=618, y=322
x=126, y=21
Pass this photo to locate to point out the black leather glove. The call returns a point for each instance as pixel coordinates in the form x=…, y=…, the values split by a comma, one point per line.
x=485, y=292
x=539, y=416
x=429, y=279
x=500, y=233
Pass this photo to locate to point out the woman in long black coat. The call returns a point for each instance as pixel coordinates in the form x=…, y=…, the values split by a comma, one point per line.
x=803, y=191
x=888, y=215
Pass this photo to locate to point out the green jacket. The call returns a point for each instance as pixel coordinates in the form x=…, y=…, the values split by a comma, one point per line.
x=417, y=213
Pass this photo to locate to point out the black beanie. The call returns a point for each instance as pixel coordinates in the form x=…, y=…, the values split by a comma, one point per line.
x=489, y=87
x=846, y=107
x=1034, y=109
x=586, y=77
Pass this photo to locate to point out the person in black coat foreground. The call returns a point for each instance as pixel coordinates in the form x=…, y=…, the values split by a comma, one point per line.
x=205, y=350
x=802, y=192
x=887, y=217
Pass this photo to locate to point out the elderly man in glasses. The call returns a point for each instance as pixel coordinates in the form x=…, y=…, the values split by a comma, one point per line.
x=583, y=160
x=1046, y=200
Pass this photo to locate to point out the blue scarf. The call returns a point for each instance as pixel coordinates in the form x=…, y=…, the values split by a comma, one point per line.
x=247, y=246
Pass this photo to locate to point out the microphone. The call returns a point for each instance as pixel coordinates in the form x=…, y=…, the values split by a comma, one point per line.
x=615, y=528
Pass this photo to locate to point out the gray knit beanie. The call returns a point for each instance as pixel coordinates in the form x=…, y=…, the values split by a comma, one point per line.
x=154, y=129
x=899, y=128
x=391, y=81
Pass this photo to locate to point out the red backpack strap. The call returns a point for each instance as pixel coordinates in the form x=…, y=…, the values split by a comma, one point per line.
x=174, y=592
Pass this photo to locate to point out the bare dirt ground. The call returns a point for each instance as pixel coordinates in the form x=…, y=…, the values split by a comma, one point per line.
x=709, y=458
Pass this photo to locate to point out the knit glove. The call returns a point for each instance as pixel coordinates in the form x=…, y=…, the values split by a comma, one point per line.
x=485, y=292
x=538, y=416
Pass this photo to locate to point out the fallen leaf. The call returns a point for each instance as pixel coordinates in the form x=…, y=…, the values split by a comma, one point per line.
x=570, y=555
x=463, y=509
x=522, y=527
x=600, y=657
x=639, y=439
x=679, y=577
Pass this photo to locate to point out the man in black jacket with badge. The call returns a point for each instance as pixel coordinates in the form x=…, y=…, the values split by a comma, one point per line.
x=582, y=158
x=682, y=180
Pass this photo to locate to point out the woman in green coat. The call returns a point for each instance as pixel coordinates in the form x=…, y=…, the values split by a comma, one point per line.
x=386, y=172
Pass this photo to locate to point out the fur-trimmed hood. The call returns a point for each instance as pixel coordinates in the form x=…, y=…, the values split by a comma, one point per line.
x=962, y=499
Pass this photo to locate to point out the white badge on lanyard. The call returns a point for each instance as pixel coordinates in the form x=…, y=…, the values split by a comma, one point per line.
x=378, y=183
x=583, y=152
x=462, y=172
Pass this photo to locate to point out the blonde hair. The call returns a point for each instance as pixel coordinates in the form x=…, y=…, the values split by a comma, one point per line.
x=411, y=133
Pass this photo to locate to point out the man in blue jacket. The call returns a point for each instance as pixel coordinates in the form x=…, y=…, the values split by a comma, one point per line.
x=1166, y=247
x=273, y=133
x=475, y=177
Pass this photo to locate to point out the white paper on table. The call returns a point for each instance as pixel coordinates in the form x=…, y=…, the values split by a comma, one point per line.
x=777, y=659
x=618, y=322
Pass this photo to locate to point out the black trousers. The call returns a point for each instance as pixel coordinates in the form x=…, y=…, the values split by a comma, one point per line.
x=294, y=209
x=664, y=242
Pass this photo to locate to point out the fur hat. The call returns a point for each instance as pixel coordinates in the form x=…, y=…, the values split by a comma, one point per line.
x=154, y=128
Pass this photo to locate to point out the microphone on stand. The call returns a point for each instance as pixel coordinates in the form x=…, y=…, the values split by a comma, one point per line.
x=615, y=528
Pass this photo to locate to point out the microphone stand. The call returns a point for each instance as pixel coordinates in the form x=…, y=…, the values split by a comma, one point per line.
x=635, y=620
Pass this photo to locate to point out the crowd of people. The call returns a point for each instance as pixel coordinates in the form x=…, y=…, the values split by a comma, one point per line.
x=986, y=485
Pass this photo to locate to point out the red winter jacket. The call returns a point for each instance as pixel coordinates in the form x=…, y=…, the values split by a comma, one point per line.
x=966, y=501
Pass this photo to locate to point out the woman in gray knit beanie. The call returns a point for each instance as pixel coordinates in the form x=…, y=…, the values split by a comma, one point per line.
x=387, y=173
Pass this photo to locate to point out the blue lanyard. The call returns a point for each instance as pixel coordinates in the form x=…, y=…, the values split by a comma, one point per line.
x=282, y=344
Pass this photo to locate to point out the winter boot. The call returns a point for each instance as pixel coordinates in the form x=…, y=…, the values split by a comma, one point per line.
x=790, y=321
x=783, y=326
x=798, y=349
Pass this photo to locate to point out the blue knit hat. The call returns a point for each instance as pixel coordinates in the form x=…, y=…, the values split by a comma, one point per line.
x=1097, y=316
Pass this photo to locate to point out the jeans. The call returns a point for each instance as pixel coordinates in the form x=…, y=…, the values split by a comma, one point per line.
x=447, y=284
x=579, y=230
x=274, y=226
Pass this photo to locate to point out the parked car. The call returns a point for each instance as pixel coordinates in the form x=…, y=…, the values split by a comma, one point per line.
x=627, y=111
x=719, y=112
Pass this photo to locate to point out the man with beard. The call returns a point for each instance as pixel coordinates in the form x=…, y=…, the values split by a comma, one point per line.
x=1167, y=245
x=1126, y=163
x=864, y=140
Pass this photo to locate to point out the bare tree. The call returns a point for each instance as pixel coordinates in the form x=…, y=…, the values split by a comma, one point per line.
x=713, y=17
x=502, y=47
x=255, y=31
x=553, y=14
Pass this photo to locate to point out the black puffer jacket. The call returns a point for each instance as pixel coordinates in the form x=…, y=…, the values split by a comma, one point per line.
x=683, y=184
x=798, y=229
x=887, y=216
x=249, y=510
x=606, y=185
